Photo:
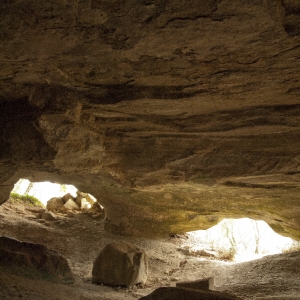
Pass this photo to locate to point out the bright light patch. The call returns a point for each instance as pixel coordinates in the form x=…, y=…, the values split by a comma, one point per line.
x=43, y=191
x=242, y=239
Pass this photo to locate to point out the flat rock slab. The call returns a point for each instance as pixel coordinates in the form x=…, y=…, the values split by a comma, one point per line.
x=174, y=293
x=34, y=261
x=71, y=205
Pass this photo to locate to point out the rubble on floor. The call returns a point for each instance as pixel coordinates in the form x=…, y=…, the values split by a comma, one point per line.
x=82, y=202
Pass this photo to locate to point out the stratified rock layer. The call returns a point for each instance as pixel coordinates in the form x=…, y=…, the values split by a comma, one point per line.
x=34, y=261
x=118, y=96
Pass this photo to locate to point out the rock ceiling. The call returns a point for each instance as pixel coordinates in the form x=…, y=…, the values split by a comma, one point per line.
x=174, y=114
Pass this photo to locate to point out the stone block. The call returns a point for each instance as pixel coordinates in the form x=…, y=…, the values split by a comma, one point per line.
x=90, y=199
x=85, y=205
x=66, y=197
x=71, y=205
x=78, y=200
x=120, y=264
x=55, y=203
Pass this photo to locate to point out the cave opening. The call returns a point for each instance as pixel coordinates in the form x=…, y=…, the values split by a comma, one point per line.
x=238, y=240
x=56, y=197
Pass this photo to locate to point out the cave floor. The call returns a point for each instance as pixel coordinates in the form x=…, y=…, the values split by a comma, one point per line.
x=79, y=237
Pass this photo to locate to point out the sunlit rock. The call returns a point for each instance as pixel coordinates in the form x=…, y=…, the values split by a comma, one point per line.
x=85, y=205
x=70, y=205
x=90, y=199
x=55, y=203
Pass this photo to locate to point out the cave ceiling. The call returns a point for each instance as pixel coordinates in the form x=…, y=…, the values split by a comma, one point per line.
x=174, y=114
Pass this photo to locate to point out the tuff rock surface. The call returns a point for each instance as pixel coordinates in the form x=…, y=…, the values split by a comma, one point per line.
x=174, y=114
x=120, y=263
x=79, y=238
x=34, y=261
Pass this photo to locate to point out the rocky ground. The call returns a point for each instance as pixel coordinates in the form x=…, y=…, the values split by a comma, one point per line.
x=80, y=237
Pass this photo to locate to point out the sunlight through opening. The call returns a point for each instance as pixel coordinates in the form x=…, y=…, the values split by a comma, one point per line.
x=58, y=197
x=43, y=191
x=238, y=240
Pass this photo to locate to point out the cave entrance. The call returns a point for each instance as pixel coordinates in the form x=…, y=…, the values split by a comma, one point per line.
x=58, y=198
x=238, y=240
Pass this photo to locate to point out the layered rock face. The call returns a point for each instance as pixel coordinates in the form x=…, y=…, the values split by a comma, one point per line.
x=147, y=104
x=34, y=260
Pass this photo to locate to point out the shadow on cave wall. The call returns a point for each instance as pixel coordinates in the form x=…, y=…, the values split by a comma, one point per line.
x=20, y=139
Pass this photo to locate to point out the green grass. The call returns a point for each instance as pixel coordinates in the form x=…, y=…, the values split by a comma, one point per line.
x=26, y=199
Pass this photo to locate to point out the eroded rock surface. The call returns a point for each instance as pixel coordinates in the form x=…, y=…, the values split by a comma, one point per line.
x=34, y=261
x=120, y=263
x=79, y=238
x=116, y=97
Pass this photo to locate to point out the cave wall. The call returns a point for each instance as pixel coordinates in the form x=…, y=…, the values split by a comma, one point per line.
x=119, y=96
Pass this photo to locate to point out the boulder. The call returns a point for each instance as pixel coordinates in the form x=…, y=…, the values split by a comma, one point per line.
x=34, y=261
x=66, y=197
x=90, y=199
x=175, y=293
x=71, y=205
x=79, y=193
x=55, y=203
x=96, y=208
x=49, y=216
x=96, y=211
x=85, y=205
x=78, y=200
x=120, y=263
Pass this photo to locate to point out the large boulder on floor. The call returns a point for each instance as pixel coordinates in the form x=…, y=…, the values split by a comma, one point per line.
x=120, y=263
x=55, y=203
x=175, y=293
x=34, y=261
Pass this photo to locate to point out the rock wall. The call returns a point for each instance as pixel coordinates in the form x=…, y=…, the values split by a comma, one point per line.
x=139, y=93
